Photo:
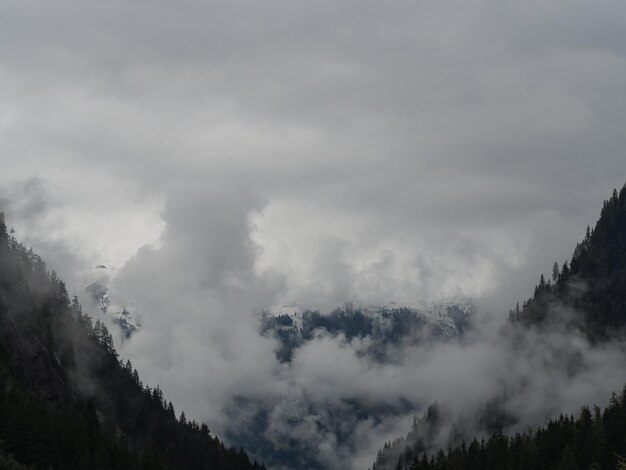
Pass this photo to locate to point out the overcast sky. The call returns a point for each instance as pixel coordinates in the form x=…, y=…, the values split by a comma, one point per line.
x=389, y=150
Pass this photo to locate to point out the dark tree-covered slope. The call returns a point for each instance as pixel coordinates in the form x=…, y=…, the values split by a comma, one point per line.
x=594, y=440
x=593, y=283
x=586, y=294
x=67, y=401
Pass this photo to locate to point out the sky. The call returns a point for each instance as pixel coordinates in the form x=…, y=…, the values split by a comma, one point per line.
x=240, y=155
x=393, y=152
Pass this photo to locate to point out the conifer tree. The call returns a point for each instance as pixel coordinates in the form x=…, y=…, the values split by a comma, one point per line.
x=555, y=272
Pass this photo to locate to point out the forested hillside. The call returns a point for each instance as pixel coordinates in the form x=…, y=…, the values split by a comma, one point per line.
x=593, y=283
x=594, y=440
x=67, y=401
x=583, y=298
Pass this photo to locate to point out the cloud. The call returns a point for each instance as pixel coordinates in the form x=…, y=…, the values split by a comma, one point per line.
x=36, y=216
x=415, y=129
x=197, y=293
x=524, y=376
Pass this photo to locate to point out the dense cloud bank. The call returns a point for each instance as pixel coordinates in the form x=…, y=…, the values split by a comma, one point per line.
x=200, y=291
x=333, y=404
x=405, y=150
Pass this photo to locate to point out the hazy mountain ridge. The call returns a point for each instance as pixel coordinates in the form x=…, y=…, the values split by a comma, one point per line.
x=593, y=440
x=385, y=326
x=287, y=431
x=593, y=283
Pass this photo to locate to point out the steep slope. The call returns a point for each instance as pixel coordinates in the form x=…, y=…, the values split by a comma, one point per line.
x=594, y=440
x=593, y=284
x=583, y=298
x=67, y=401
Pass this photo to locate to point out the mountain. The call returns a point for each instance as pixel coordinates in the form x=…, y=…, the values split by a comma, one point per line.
x=97, y=289
x=288, y=429
x=594, y=441
x=586, y=296
x=385, y=326
x=593, y=283
x=67, y=401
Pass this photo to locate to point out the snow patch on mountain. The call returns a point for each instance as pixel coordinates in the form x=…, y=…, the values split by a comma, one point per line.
x=126, y=317
x=451, y=315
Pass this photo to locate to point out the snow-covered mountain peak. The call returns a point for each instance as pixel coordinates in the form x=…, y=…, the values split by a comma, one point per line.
x=126, y=317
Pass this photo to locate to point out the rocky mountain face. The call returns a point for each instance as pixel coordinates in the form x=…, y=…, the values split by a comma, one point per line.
x=385, y=326
x=127, y=318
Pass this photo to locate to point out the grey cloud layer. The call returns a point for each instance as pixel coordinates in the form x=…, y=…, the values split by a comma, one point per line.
x=381, y=126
